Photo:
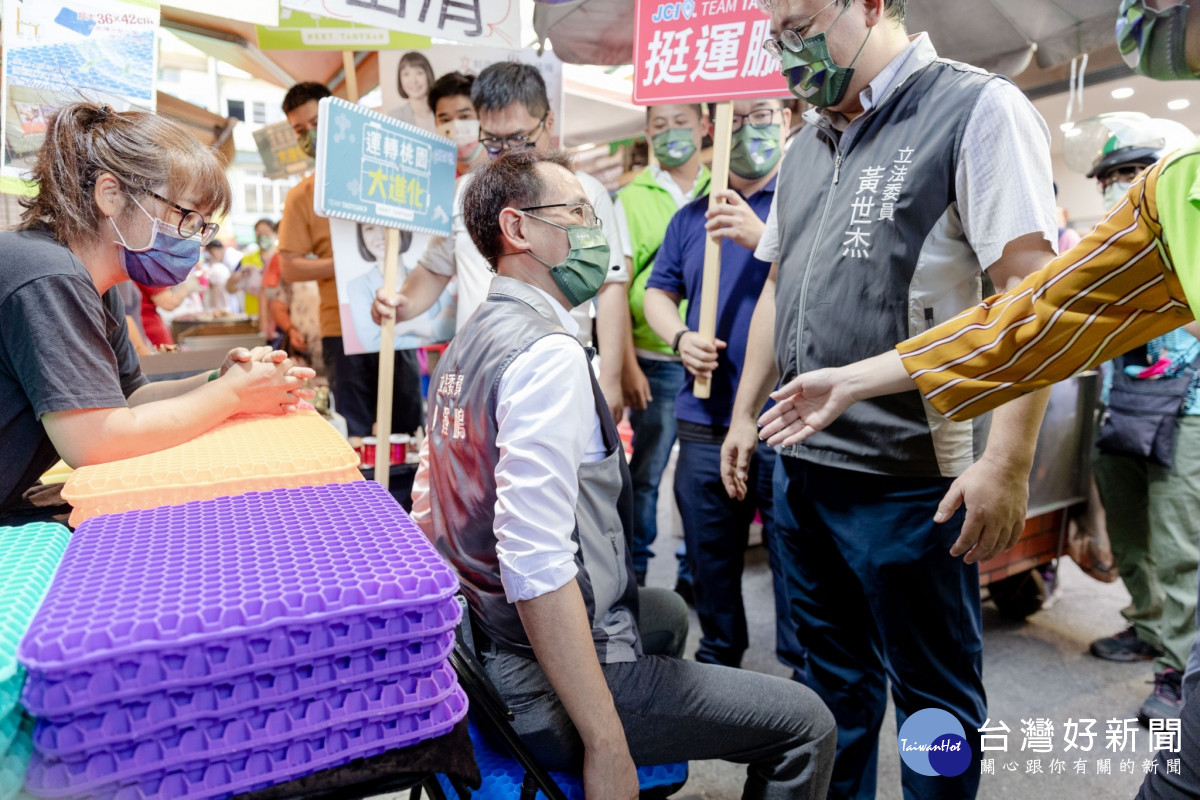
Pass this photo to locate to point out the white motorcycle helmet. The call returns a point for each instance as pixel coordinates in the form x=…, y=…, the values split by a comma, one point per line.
x=1115, y=148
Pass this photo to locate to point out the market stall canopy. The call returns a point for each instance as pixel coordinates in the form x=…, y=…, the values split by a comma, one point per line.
x=598, y=106
x=1005, y=36
x=235, y=43
x=1001, y=35
x=211, y=129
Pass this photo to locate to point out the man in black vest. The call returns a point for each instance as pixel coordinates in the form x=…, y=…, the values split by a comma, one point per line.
x=524, y=489
x=916, y=183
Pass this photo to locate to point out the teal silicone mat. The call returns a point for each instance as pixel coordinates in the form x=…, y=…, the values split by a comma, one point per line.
x=9, y=724
x=10, y=692
x=29, y=554
x=15, y=760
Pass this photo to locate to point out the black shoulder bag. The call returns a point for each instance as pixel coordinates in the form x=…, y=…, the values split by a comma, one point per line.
x=1142, y=416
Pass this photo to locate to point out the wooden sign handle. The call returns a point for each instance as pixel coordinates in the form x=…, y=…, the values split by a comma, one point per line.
x=387, y=365
x=350, y=73
x=710, y=287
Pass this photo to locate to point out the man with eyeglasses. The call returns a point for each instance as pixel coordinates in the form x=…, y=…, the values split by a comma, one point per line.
x=306, y=254
x=916, y=183
x=716, y=527
x=587, y=662
x=514, y=113
x=1135, y=276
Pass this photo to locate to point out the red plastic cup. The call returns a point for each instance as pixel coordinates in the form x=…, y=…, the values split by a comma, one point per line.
x=399, y=447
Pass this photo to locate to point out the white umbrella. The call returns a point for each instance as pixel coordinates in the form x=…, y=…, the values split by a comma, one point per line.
x=1001, y=35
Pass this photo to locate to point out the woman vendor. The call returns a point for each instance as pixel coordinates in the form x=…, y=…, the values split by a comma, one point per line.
x=122, y=196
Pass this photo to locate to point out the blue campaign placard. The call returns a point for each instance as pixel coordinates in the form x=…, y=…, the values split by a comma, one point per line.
x=374, y=169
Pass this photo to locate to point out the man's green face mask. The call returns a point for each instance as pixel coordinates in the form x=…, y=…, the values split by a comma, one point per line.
x=1153, y=42
x=755, y=151
x=674, y=146
x=813, y=75
x=582, y=273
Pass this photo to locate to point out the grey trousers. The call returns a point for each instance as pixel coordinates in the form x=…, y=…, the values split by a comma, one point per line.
x=675, y=710
x=1162, y=784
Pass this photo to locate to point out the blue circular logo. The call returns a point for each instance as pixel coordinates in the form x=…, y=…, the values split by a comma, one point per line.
x=933, y=742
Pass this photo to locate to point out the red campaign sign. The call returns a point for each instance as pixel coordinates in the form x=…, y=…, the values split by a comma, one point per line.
x=692, y=51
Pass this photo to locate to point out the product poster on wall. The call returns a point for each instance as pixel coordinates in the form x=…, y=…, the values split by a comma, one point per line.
x=358, y=250
x=97, y=50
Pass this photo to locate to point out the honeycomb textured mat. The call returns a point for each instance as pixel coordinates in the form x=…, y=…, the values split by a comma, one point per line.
x=502, y=776
x=394, y=638
x=220, y=739
x=29, y=555
x=213, y=569
x=257, y=764
x=9, y=724
x=14, y=761
x=165, y=716
x=243, y=454
x=10, y=691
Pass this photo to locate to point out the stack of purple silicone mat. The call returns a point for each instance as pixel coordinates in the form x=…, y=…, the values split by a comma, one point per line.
x=220, y=646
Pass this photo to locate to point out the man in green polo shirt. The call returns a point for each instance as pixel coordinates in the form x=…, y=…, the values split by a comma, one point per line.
x=653, y=373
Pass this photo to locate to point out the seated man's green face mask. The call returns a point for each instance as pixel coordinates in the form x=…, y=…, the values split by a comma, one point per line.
x=1154, y=42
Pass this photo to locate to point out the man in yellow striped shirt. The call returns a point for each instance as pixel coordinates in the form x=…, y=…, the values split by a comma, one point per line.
x=1136, y=276
x=1118, y=288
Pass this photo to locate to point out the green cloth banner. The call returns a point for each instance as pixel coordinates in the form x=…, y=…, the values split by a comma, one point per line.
x=300, y=31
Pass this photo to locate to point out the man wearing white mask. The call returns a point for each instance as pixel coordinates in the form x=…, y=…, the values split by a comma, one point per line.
x=450, y=99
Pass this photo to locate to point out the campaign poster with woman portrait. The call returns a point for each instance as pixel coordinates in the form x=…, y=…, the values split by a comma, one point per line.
x=358, y=256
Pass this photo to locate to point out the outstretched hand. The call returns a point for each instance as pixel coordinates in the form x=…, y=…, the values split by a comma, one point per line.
x=804, y=405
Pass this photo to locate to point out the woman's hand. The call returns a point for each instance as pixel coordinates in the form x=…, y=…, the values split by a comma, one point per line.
x=266, y=386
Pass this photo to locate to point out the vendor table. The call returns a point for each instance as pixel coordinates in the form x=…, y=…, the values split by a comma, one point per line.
x=198, y=325
x=450, y=755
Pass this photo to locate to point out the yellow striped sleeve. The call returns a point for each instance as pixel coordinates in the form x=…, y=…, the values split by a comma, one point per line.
x=1111, y=292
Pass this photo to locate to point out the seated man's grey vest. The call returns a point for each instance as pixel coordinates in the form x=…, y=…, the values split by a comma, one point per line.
x=463, y=456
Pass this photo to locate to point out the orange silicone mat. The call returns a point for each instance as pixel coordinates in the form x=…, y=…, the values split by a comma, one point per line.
x=243, y=454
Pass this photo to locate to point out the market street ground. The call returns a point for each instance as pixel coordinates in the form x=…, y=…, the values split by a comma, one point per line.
x=1037, y=668
x=1033, y=669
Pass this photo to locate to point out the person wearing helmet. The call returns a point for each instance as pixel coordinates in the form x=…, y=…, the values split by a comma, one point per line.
x=1118, y=167
x=1153, y=510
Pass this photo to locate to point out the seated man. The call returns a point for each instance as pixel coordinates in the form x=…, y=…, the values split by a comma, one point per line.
x=524, y=489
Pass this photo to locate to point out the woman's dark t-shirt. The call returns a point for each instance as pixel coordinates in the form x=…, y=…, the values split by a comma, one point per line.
x=62, y=347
